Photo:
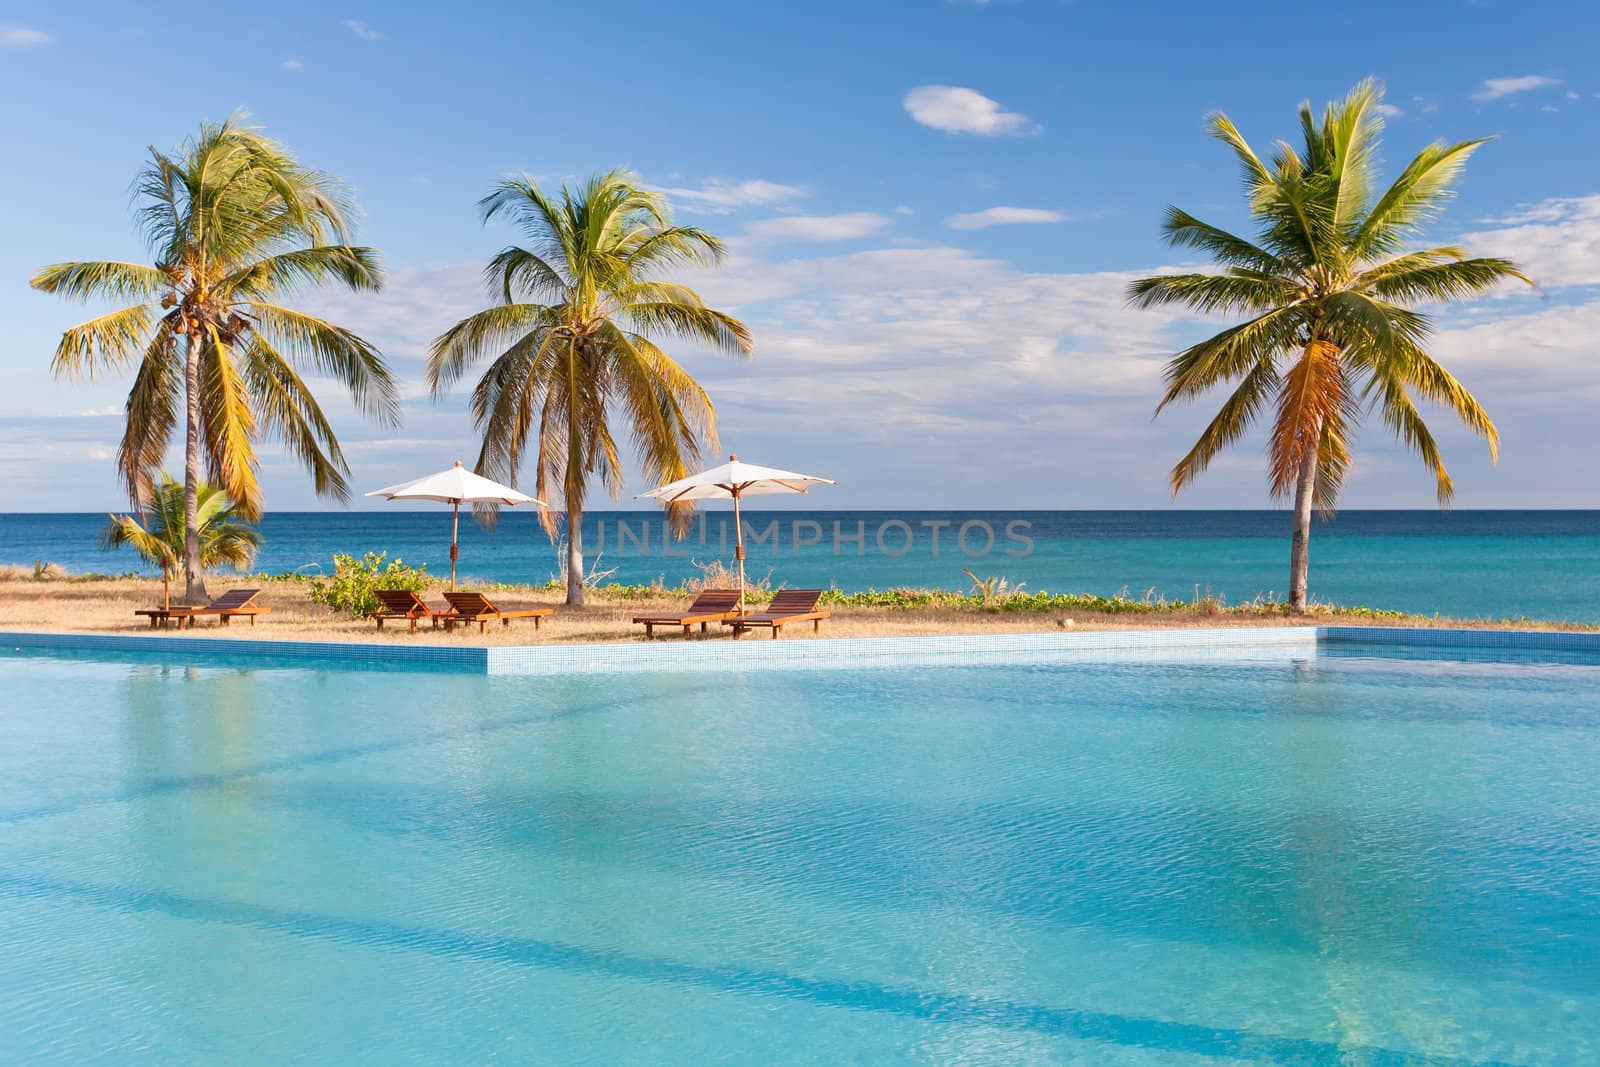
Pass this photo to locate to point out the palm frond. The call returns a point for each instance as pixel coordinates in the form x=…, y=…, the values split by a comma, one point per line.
x=1401, y=415
x=102, y=280
x=1230, y=354
x=111, y=342
x=695, y=322
x=1416, y=196
x=286, y=408
x=1231, y=422
x=1233, y=292
x=152, y=412
x=358, y=269
x=334, y=352
x=477, y=335
x=1183, y=230
x=1315, y=395
x=227, y=426
x=1441, y=282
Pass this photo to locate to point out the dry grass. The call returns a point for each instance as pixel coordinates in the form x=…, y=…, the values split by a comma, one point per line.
x=107, y=605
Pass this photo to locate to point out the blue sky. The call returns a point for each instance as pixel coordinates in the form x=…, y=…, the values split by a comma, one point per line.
x=933, y=208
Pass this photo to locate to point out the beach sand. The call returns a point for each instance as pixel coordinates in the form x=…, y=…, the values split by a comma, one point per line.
x=107, y=606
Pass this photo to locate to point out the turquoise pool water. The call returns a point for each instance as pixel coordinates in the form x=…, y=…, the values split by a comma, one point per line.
x=1331, y=857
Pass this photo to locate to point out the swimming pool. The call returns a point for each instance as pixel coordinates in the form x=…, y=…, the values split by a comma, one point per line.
x=1335, y=855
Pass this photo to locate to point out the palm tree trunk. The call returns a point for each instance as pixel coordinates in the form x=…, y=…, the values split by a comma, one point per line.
x=194, y=585
x=1300, y=548
x=574, y=557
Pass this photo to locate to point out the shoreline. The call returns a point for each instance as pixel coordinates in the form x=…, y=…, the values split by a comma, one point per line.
x=106, y=606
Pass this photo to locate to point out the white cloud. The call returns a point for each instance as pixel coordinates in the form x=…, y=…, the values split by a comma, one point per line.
x=1554, y=341
x=1390, y=111
x=719, y=197
x=954, y=109
x=864, y=370
x=845, y=227
x=1572, y=95
x=18, y=36
x=361, y=30
x=1556, y=241
x=1495, y=88
x=97, y=413
x=870, y=354
x=293, y=64
x=1004, y=216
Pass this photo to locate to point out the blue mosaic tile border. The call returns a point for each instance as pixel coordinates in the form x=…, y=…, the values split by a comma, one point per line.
x=1443, y=637
x=348, y=653
x=796, y=654
x=752, y=653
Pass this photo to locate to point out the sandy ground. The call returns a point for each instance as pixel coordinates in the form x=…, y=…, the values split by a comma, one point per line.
x=107, y=606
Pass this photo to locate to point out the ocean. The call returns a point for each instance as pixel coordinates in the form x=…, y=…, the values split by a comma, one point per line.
x=1469, y=564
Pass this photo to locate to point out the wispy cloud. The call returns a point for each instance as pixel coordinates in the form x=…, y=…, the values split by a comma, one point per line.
x=19, y=37
x=293, y=64
x=361, y=30
x=845, y=227
x=955, y=109
x=1390, y=111
x=1495, y=88
x=719, y=197
x=1004, y=216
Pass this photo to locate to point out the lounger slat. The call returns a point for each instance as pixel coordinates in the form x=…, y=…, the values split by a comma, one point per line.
x=787, y=606
x=712, y=605
x=234, y=602
x=475, y=607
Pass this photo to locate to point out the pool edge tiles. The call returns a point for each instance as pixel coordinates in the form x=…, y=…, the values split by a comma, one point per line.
x=468, y=658
x=802, y=654
x=1461, y=638
x=673, y=655
x=847, y=653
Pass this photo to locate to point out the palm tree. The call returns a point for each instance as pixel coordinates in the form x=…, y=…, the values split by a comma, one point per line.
x=1328, y=295
x=573, y=338
x=234, y=224
x=160, y=538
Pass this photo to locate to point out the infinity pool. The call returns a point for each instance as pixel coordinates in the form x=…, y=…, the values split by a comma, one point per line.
x=1282, y=857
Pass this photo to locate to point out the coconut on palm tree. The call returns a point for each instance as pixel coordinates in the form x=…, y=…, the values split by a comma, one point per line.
x=1328, y=292
x=158, y=535
x=573, y=343
x=235, y=225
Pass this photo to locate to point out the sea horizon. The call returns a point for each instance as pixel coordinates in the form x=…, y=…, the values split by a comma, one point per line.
x=1479, y=563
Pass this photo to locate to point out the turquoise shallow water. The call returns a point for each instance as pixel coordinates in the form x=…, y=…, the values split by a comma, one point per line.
x=1472, y=564
x=1287, y=857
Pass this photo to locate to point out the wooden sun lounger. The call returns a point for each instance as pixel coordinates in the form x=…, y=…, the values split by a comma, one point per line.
x=159, y=617
x=475, y=607
x=404, y=604
x=712, y=605
x=233, y=602
x=788, y=605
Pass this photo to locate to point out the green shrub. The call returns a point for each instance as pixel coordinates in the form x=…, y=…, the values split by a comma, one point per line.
x=354, y=584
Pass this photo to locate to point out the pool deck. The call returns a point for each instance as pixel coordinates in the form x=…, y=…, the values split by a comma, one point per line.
x=829, y=653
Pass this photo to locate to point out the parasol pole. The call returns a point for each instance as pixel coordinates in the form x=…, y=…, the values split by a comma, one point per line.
x=738, y=547
x=738, y=536
x=455, y=530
